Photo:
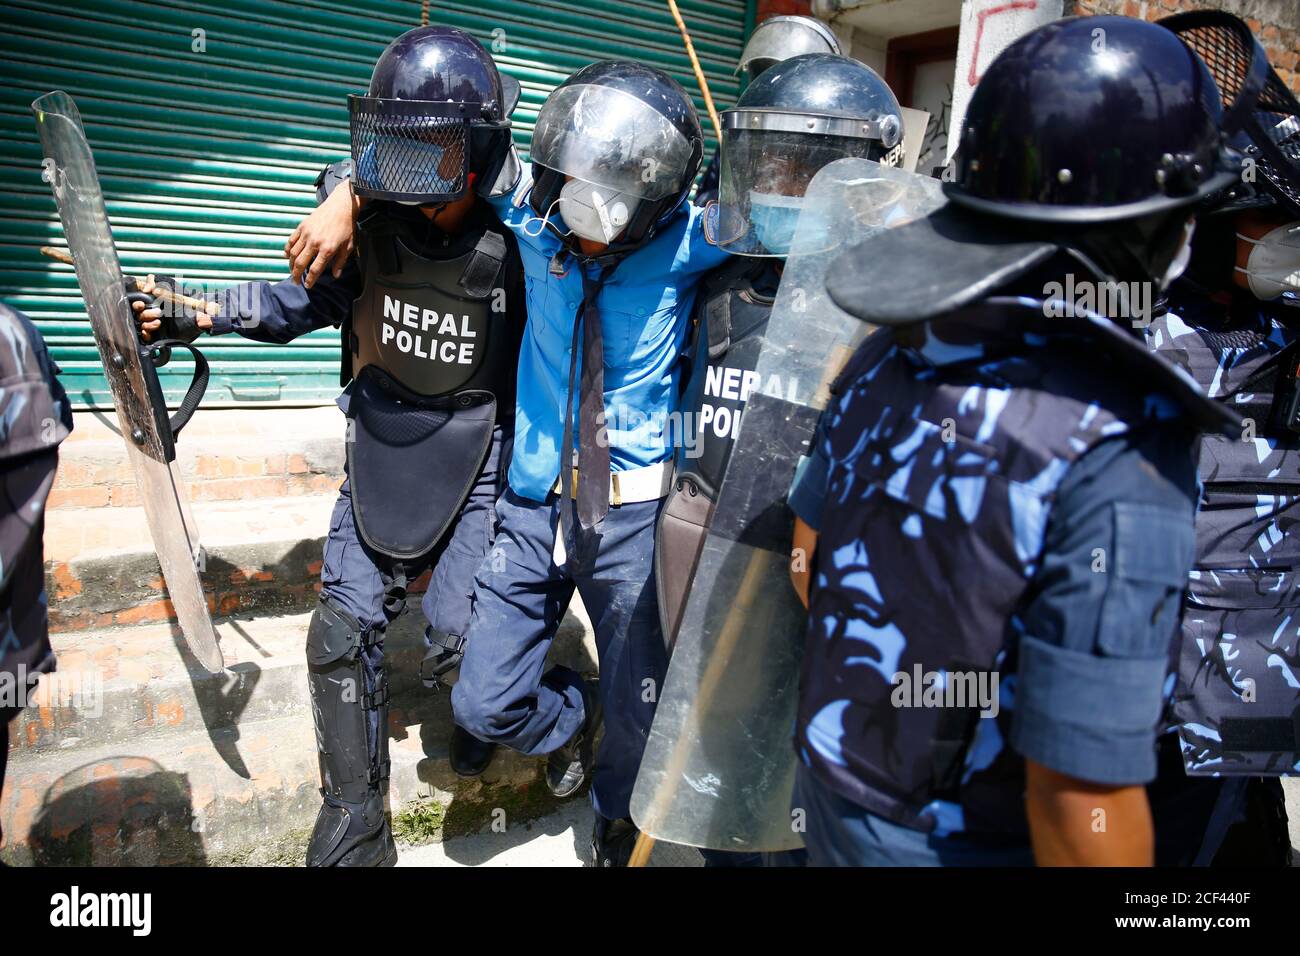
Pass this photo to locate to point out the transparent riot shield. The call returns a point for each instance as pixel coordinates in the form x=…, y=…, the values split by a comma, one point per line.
x=719, y=766
x=69, y=168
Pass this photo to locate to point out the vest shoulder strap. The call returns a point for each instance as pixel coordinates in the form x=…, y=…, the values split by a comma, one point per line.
x=717, y=293
x=484, y=265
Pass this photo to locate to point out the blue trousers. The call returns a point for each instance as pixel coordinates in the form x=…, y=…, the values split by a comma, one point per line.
x=505, y=693
x=354, y=577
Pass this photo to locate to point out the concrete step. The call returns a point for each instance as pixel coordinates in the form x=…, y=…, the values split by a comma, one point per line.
x=137, y=682
x=132, y=756
x=159, y=801
x=262, y=483
x=173, y=800
x=140, y=682
x=224, y=454
x=260, y=555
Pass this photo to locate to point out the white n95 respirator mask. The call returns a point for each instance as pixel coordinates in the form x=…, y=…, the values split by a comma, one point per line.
x=594, y=212
x=1273, y=267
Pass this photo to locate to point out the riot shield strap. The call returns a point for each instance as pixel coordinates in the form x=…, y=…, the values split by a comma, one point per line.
x=198, y=384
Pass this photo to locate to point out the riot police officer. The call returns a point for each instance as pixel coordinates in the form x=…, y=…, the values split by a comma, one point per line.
x=787, y=125
x=431, y=312
x=1232, y=325
x=1005, y=523
x=37, y=417
x=614, y=254
x=773, y=40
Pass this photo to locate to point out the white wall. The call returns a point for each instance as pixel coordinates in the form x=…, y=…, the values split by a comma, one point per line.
x=987, y=28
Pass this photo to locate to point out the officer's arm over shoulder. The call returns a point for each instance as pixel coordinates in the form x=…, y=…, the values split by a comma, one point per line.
x=324, y=240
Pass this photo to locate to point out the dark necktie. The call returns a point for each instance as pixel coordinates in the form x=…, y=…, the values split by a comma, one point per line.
x=593, y=440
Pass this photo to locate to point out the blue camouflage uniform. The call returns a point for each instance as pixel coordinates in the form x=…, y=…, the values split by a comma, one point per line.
x=1239, y=666
x=35, y=416
x=997, y=500
x=505, y=694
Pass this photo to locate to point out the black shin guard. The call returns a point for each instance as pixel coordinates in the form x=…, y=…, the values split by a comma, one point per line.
x=350, y=707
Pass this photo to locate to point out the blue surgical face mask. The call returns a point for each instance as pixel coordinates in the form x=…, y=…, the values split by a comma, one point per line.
x=418, y=167
x=774, y=218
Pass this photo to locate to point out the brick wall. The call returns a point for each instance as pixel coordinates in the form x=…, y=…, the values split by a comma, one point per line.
x=1275, y=22
x=782, y=8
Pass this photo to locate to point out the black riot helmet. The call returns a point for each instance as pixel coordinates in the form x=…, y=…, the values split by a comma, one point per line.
x=437, y=115
x=798, y=116
x=1091, y=120
x=779, y=38
x=615, y=148
x=1258, y=108
x=1089, y=139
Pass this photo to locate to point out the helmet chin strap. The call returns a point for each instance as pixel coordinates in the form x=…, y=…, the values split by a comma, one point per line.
x=1142, y=253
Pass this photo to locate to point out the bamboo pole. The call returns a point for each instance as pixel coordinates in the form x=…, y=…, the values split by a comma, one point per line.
x=699, y=72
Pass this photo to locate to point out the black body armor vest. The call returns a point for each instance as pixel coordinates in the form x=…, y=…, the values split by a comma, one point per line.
x=436, y=326
x=431, y=348
x=1237, y=701
x=731, y=318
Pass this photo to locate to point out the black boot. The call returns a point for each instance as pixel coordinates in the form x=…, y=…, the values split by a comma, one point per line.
x=612, y=841
x=352, y=834
x=568, y=767
x=468, y=755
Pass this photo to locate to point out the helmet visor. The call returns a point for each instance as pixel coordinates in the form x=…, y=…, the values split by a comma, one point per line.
x=612, y=139
x=765, y=173
x=408, y=150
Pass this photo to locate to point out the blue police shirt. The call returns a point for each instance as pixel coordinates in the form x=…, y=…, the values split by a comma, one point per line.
x=645, y=306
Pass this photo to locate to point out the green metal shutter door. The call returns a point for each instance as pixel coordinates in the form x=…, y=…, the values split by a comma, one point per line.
x=208, y=158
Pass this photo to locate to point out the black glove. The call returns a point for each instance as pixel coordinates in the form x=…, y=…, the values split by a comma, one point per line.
x=178, y=321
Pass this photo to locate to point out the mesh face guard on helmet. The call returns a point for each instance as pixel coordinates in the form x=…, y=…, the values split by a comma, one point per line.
x=412, y=150
x=1256, y=101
